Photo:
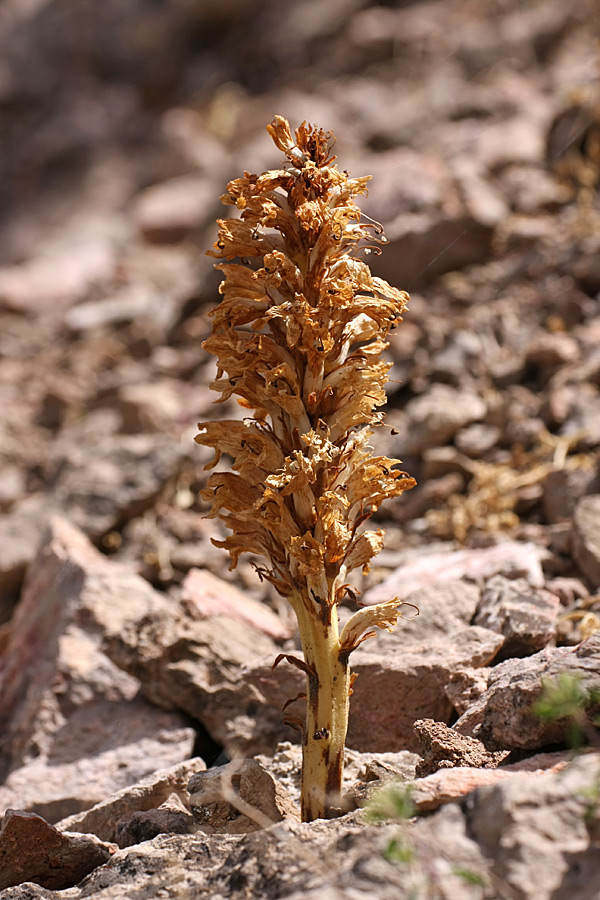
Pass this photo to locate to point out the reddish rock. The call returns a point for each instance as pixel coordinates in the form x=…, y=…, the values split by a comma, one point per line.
x=20, y=531
x=101, y=748
x=465, y=687
x=399, y=682
x=521, y=822
x=449, y=784
x=563, y=489
x=196, y=666
x=63, y=703
x=13, y=486
x=408, y=258
x=32, y=850
x=150, y=407
x=443, y=748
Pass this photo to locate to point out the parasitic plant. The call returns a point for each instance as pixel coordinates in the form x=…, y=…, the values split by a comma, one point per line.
x=298, y=337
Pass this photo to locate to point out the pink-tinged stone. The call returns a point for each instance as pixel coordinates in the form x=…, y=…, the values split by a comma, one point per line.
x=60, y=278
x=211, y=596
x=509, y=558
x=446, y=785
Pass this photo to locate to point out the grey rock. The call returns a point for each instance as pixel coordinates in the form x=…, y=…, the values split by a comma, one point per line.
x=107, y=817
x=426, y=183
x=366, y=773
x=586, y=538
x=285, y=765
x=525, y=33
x=482, y=199
x=433, y=494
x=523, y=141
x=549, y=350
x=527, y=834
x=524, y=615
x=478, y=439
x=101, y=748
x=32, y=850
x=442, y=608
x=363, y=772
x=239, y=797
x=465, y=687
x=147, y=824
x=583, y=422
x=534, y=831
x=530, y=189
x=503, y=717
x=438, y=461
x=341, y=859
x=127, y=305
x=174, y=209
x=436, y=416
x=99, y=484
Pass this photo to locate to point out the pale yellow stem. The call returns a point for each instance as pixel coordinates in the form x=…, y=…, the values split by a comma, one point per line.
x=327, y=704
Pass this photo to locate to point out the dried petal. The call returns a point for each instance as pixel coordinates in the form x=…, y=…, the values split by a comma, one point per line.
x=382, y=615
x=298, y=338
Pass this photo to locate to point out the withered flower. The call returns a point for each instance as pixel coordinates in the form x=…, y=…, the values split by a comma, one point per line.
x=298, y=338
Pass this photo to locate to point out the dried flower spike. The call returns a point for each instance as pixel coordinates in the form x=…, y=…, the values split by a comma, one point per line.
x=298, y=337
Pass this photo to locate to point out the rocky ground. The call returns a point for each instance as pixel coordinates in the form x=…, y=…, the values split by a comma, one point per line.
x=133, y=665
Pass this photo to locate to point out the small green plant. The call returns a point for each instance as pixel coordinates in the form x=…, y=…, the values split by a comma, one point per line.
x=567, y=698
x=470, y=876
x=390, y=802
x=399, y=852
x=299, y=336
x=418, y=857
x=591, y=797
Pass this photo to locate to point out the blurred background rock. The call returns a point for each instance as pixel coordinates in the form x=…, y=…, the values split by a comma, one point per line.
x=121, y=124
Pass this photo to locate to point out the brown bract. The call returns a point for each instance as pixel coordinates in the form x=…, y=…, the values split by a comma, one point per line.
x=298, y=337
